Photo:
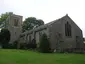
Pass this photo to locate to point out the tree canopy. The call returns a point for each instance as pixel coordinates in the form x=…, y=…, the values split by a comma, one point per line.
x=31, y=22
x=3, y=17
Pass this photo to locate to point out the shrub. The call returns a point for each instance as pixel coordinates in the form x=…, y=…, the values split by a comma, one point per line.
x=4, y=37
x=23, y=45
x=32, y=44
x=15, y=43
x=10, y=46
x=44, y=44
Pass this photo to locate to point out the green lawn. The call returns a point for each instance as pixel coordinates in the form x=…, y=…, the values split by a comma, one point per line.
x=30, y=57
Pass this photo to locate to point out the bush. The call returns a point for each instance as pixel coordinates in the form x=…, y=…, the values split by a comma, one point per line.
x=4, y=37
x=32, y=44
x=23, y=46
x=10, y=46
x=44, y=44
x=15, y=43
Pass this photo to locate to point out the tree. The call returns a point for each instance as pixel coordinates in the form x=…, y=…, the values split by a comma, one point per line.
x=5, y=37
x=31, y=22
x=3, y=18
x=44, y=44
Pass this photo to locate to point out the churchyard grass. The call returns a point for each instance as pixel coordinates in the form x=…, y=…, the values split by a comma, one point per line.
x=12, y=56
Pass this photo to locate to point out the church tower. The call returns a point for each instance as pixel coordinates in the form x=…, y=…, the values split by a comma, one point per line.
x=14, y=25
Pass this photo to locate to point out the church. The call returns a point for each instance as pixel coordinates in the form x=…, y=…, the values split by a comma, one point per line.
x=63, y=33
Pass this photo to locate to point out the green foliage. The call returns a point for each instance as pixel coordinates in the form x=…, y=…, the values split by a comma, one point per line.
x=22, y=46
x=32, y=44
x=4, y=37
x=31, y=22
x=44, y=44
x=15, y=44
x=19, y=45
x=3, y=17
x=10, y=46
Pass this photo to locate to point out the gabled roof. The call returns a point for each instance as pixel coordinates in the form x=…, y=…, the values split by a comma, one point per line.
x=74, y=22
x=42, y=26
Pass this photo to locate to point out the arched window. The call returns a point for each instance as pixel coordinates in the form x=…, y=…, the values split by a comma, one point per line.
x=68, y=29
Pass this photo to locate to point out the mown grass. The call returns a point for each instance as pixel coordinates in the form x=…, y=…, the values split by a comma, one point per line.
x=8, y=56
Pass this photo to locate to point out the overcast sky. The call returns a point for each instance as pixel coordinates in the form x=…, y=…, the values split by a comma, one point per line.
x=47, y=10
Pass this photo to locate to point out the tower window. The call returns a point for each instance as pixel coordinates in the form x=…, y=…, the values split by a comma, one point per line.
x=68, y=29
x=15, y=22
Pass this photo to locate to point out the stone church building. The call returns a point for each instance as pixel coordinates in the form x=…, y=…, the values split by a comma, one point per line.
x=62, y=33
